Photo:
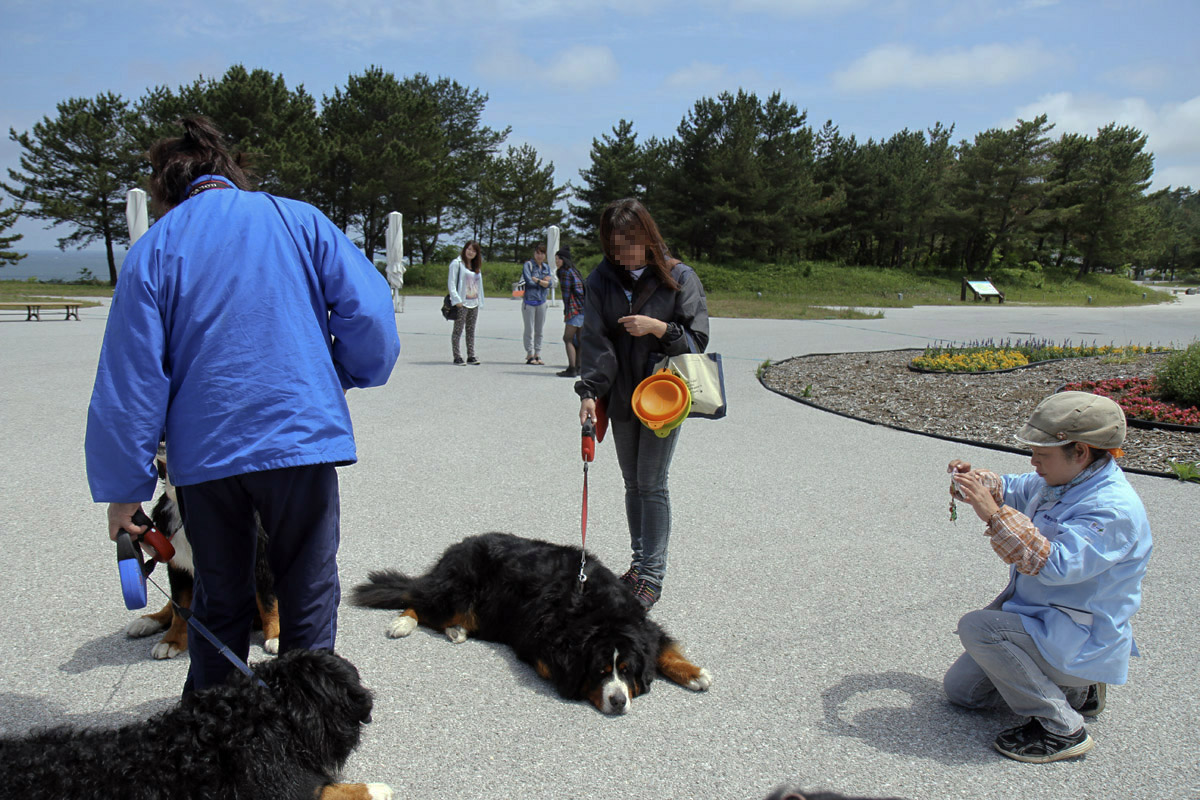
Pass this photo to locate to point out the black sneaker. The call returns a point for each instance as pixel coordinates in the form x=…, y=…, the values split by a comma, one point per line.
x=458, y=360
x=1034, y=744
x=1093, y=704
x=472, y=360
x=630, y=577
x=568, y=373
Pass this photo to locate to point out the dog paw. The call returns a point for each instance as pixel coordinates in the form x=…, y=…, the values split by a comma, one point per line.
x=164, y=650
x=456, y=634
x=142, y=626
x=379, y=791
x=271, y=646
x=401, y=626
x=701, y=682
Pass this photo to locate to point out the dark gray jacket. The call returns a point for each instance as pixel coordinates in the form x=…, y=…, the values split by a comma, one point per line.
x=613, y=363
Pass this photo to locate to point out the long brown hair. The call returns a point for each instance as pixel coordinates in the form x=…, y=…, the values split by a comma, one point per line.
x=177, y=161
x=476, y=263
x=631, y=217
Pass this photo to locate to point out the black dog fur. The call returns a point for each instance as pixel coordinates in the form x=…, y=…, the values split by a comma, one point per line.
x=525, y=593
x=234, y=740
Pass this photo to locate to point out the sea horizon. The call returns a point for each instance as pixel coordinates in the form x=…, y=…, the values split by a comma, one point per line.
x=61, y=265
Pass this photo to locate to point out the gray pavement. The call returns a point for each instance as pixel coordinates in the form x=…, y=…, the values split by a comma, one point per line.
x=813, y=571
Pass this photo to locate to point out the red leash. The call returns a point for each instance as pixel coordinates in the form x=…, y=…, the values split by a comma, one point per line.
x=589, y=455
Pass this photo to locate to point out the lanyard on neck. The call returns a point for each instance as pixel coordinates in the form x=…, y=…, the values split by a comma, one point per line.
x=204, y=186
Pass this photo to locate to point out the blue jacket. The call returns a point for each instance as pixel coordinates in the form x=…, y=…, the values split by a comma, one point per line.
x=237, y=321
x=1078, y=607
x=535, y=294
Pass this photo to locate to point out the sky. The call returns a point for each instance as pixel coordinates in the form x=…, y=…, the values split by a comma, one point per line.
x=563, y=72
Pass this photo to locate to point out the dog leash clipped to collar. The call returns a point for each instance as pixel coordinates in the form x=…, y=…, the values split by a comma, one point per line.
x=589, y=455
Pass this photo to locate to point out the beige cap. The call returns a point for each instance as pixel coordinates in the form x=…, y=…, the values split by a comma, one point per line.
x=1075, y=417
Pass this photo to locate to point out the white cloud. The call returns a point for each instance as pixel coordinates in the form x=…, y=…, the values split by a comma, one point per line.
x=708, y=78
x=895, y=65
x=796, y=8
x=583, y=67
x=1173, y=129
x=575, y=68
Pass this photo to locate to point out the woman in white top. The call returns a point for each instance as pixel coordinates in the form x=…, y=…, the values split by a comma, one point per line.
x=465, y=283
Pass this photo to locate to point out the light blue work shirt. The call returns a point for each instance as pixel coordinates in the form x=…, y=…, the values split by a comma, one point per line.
x=1078, y=607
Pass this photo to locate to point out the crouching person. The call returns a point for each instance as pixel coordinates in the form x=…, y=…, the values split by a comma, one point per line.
x=1077, y=537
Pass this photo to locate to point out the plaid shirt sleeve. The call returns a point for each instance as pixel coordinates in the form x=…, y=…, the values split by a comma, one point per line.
x=993, y=483
x=1017, y=541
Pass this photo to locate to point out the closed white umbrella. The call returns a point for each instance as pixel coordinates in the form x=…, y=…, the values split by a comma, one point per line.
x=395, y=258
x=135, y=214
x=552, y=237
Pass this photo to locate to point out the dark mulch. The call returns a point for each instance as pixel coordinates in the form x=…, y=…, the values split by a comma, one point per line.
x=987, y=408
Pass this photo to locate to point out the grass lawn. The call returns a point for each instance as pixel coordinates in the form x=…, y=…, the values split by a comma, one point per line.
x=809, y=290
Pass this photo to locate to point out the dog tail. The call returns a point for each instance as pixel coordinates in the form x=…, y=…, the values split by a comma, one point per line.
x=385, y=588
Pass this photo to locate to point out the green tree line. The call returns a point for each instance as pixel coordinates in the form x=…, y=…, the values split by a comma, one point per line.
x=743, y=180
x=749, y=180
x=378, y=144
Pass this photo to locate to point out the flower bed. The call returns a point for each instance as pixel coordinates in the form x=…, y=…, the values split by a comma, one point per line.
x=1136, y=396
x=989, y=356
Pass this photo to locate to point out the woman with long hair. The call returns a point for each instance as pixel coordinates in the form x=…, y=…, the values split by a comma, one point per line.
x=571, y=283
x=465, y=283
x=237, y=325
x=638, y=301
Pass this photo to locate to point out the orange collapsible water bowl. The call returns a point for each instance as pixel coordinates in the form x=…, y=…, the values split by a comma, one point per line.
x=662, y=401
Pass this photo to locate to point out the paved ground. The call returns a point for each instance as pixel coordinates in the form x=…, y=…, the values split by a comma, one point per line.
x=812, y=570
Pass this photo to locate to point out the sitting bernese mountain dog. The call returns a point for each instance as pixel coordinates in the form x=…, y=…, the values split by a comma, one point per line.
x=234, y=740
x=181, y=576
x=592, y=641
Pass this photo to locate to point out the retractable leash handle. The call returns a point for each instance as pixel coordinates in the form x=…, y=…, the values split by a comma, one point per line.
x=129, y=565
x=132, y=570
x=589, y=441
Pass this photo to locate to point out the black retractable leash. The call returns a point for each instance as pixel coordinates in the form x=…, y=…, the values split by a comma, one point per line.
x=135, y=573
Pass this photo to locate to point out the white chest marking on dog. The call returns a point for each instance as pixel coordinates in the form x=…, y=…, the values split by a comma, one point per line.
x=615, y=691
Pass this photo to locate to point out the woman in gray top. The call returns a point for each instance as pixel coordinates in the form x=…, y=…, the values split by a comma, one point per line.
x=639, y=301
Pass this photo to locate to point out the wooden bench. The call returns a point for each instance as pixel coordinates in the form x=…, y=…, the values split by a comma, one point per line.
x=33, y=309
x=983, y=290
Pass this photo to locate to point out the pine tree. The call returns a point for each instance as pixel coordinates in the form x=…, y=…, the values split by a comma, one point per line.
x=8, y=217
x=76, y=169
x=616, y=172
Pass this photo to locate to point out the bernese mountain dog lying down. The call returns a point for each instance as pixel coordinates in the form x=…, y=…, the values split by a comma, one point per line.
x=596, y=644
x=234, y=740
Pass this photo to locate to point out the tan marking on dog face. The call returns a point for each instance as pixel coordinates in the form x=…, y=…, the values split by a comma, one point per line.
x=541, y=669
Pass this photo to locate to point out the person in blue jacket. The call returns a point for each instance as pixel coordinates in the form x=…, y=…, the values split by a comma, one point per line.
x=238, y=322
x=1076, y=536
x=536, y=274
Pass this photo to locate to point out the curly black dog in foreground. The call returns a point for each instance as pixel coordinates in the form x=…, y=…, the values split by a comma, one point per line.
x=785, y=793
x=234, y=740
x=597, y=644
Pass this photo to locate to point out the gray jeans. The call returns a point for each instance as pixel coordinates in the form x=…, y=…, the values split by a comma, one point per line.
x=1002, y=662
x=645, y=460
x=535, y=320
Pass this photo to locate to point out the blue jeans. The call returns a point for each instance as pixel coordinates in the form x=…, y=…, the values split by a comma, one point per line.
x=644, y=460
x=1003, y=662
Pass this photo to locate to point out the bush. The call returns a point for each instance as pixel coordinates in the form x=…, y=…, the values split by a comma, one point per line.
x=1179, y=376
